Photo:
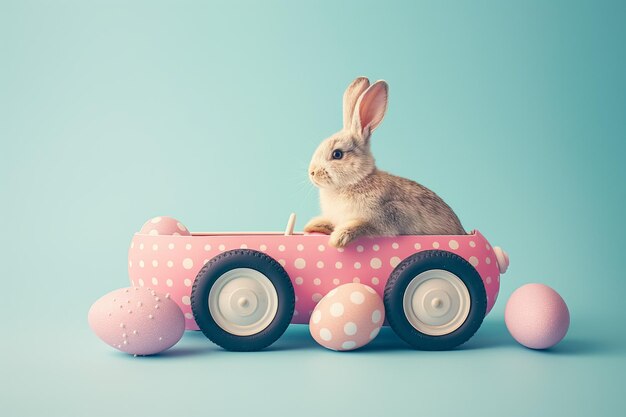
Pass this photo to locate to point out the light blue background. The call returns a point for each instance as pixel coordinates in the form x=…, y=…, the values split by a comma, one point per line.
x=114, y=112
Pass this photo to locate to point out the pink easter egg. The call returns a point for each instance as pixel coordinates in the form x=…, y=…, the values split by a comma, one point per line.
x=348, y=317
x=137, y=320
x=536, y=316
x=163, y=225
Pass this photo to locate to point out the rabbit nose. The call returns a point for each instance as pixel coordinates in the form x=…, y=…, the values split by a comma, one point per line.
x=312, y=173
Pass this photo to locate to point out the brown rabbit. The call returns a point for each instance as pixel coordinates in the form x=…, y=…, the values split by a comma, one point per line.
x=356, y=198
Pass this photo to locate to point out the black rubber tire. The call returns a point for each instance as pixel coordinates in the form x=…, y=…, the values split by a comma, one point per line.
x=242, y=258
x=412, y=266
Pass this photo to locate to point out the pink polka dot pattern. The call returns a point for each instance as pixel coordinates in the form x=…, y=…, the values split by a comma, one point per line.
x=315, y=267
x=348, y=317
x=164, y=226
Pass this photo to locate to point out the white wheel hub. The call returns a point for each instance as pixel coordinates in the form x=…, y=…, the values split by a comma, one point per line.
x=436, y=302
x=243, y=301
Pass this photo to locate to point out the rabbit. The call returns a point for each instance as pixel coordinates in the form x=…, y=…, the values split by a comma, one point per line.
x=356, y=198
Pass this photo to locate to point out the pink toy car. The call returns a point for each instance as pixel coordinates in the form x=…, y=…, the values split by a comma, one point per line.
x=243, y=289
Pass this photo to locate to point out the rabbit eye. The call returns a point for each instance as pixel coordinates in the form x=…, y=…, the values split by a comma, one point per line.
x=337, y=154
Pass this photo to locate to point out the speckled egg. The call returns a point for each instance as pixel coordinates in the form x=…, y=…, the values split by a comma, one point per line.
x=348, y=317
x=137, y=320
x=536, y=316
x=163, y=225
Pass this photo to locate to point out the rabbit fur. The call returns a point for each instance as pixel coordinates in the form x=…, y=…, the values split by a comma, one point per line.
x=356, y=198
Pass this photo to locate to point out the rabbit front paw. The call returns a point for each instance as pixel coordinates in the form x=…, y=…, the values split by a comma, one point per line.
x=345, y=234
x=319, y=225
x=341, y=237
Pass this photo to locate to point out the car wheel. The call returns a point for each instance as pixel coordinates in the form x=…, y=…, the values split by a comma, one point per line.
x=242, y=300
x=435, y=300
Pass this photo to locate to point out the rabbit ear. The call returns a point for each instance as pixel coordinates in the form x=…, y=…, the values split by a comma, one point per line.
x=370, y=109
x=350, y=97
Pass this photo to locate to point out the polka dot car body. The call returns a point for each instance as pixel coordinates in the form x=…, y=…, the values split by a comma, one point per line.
x=171, y=262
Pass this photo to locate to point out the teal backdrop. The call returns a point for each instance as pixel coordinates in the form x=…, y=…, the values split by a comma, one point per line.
x=114, y=112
